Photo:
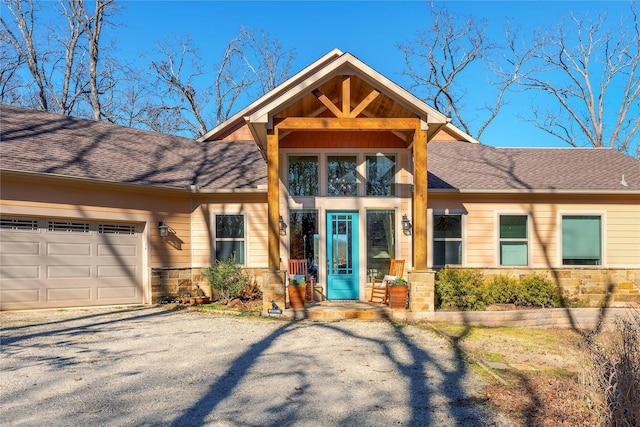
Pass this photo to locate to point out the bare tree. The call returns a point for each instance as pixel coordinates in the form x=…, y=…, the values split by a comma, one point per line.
x=589, y=75
x=20, y=35
x=449, y=59
x=10, y=81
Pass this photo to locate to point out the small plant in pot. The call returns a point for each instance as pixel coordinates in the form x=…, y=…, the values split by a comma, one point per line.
x=297, y=287
x=398, y=292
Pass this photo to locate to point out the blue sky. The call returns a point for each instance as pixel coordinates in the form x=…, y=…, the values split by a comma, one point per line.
x=370, y=30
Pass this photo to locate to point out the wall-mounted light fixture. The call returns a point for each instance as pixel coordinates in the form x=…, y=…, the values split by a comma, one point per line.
x=282, y=226
x=406, y=225
x=164, y=229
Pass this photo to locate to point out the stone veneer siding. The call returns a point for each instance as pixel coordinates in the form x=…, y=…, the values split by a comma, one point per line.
x=615, y=287
x=173, y=282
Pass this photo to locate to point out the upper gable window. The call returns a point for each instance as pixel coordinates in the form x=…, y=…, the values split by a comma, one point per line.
x=342, y=176
x=303, y=175
x=381, y=172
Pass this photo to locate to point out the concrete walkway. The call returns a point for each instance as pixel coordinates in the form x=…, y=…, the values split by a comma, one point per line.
x=147, y=366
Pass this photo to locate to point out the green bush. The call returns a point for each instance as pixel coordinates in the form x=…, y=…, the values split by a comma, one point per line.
x=468, y=290
x=227, y=278
x=539, y=291
x=459, y=289
x=502, y=289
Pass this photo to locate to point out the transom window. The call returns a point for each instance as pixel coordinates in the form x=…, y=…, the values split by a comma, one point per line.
x=447, y=240
x=230, y=241
x=303, y=175
x=381, y=172
x=514, y=243
x=581, y=240
x=342, y=176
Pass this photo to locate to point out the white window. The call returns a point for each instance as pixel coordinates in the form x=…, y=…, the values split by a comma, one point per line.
x=447, y=240
x=303, y=175
x=514, y=240
x=381, y=173
x=230, y=238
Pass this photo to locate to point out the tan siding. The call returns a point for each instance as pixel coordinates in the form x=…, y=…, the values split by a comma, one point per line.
x=621, y=222
x=256, y=227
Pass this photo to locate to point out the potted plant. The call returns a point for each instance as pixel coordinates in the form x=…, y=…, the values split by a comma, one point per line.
x=296, y=292
x=398, y=292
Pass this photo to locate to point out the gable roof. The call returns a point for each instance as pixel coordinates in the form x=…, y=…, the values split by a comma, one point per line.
x=461, y=166
x=260, y=114
x=46, y=143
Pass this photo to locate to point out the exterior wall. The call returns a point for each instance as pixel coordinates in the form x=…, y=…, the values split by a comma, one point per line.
x=620, y=219
x=77, y=199
x=254, y=207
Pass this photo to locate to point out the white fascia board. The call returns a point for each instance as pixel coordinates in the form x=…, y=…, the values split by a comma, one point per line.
x=276, y=92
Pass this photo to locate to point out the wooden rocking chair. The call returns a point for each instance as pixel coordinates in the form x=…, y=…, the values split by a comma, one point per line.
x=380, y=287
x=299, y=267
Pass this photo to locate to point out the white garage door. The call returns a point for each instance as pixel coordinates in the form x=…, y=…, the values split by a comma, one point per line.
x=51, y=263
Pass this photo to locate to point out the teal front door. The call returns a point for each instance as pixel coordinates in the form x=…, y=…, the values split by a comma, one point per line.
x=342, y=255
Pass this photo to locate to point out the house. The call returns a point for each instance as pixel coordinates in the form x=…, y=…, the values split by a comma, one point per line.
x=339, y=166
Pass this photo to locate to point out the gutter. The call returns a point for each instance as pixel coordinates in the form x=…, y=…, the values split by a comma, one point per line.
x=521, y=191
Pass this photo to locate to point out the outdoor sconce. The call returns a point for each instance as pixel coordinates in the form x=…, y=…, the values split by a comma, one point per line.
x=164, y=229
x=406, y=225
x=282, y=226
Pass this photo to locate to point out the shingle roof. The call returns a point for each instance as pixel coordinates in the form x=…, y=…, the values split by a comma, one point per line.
x=35, y=141
x=465, y=166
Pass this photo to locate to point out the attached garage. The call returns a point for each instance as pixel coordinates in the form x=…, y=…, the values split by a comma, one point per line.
x=54, y=262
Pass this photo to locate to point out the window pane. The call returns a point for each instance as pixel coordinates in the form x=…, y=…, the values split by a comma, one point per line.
x=229, y=226
x=513, y=226
x=447, y=226
x=447, y=252
x=226, y=249
x=513, y=253
x=381, y=242
x=341, y=176
x=581, y=240
x=381, y=171
x=303, y=175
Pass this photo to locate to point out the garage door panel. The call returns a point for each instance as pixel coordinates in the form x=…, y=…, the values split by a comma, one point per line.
x=10, y=272
x=117, y=250
x=68, y=272
x=20, y=296
x=67, y=249
x=19, y=248
x=118, y=293
x=117, y=271
x=69, y=294
x=48, y=263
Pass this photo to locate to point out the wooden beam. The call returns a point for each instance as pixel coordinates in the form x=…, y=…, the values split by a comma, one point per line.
x=327, y=103
x=365, y=103
x=360, y=123
x=420, y=233
x=273, y=201
x=346, y=96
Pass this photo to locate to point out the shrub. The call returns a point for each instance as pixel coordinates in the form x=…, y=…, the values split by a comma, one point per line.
x=227, y=278
x=502, y=289
x=539, y=291
x=459, y=289
x=611, y=381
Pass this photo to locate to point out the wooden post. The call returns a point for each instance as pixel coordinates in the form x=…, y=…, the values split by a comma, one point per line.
x=273, y=201
x=420, y=233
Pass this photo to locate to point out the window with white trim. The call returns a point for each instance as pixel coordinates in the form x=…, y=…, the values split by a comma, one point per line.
x=342, y=176
x=381, y=173
x=581, y=240
x=447, y=240
x=303, y=175
x=230, y=238
x=514, y=240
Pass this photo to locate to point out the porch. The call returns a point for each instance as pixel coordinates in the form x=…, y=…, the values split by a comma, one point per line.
x=343, y=310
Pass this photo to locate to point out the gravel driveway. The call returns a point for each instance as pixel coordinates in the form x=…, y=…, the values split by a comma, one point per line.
x=149, y=367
